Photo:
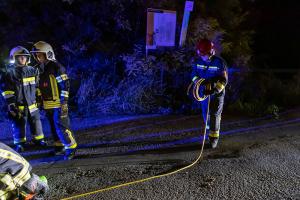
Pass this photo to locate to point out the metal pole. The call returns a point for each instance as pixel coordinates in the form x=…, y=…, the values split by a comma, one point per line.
x=185, y=22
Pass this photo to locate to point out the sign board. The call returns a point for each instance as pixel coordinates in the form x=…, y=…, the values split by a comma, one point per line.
x=161, y=27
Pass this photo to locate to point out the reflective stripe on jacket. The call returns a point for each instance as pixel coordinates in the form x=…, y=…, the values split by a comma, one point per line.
x=54, y=84
x=14, y=170
x=19, y=86
x=214, y=70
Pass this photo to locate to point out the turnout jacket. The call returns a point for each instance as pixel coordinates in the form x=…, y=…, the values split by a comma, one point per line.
x=214, y=71
x=19, y=86
x=14, y=170
x=54, y=84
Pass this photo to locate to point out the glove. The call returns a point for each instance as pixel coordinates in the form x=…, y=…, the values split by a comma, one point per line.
x=208, y=88
x=35, y=185
x=13, y=110
x=64, y=110
x=207, y=82
x=39, y=101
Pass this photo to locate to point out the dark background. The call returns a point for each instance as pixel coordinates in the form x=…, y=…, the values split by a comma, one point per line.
x=276, y=43
x=102, y=45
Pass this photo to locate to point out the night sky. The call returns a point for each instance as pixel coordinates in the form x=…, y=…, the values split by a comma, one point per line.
x=276, y=44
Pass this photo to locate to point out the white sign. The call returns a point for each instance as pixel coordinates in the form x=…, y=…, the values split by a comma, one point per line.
x=161, y=27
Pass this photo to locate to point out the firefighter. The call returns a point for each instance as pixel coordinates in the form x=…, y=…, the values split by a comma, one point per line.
x=213, y=70
x=19, y=90
x=16, y=179
x=54, y=87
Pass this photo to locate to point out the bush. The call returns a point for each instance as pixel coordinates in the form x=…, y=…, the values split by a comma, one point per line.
x=137, y=91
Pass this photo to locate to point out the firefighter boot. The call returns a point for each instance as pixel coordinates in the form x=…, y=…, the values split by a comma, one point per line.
x=69, y=154
x=213, y=142
x=59, y=151
x=41, y=142
x=59, y=148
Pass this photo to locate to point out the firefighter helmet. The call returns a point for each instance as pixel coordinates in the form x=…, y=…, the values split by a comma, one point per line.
x=205, y=47
x=18, y=51
x=44, y=47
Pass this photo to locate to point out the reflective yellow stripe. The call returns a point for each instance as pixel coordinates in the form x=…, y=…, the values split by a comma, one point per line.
x=51, y=104
x=4, y=195
x=196, y=87
x=194, y=78
x=214, y=134
x=21, y=108
x=213, y=68
x=64, y=93
x=73, y=143
x=54, y=87
x=32, y=108
x=29, y=79
x=64, y=77
x=73, y=146
x=19, y=140
x=39, y=137
x=201, y=66
x=7, y=180
x=24, y=174
x=38, y=92
x=7, y=92
x=220, y=86
x=59, y=79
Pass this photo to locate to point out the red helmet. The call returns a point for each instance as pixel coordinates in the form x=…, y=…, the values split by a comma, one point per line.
x=205, y=47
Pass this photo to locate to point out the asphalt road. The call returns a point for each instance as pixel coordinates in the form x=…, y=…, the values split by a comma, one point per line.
x=256, y=159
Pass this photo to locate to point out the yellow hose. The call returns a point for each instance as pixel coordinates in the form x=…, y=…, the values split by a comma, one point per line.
x=196, y=90
x=152, y=177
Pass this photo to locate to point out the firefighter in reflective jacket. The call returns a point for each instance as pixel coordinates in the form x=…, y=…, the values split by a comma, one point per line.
x=54, y=87
x=19, y=90
x=16, y=179
x=213, y=70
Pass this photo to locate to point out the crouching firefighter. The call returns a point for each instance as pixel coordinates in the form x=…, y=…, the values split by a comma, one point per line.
x=19, y=90
x=54, y=86
x=209, y=78
x=16, y=179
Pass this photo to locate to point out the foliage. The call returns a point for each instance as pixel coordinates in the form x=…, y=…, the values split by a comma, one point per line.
x=101, y=44
x=266, y=94
x=143, y=87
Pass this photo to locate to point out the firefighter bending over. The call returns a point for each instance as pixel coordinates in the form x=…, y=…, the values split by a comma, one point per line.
x=16, y=179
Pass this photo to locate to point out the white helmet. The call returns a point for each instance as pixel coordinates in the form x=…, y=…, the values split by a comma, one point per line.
x=44, y=47
x=18, y=51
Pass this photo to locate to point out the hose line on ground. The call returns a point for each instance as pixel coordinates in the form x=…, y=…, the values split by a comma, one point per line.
x=152, y=177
